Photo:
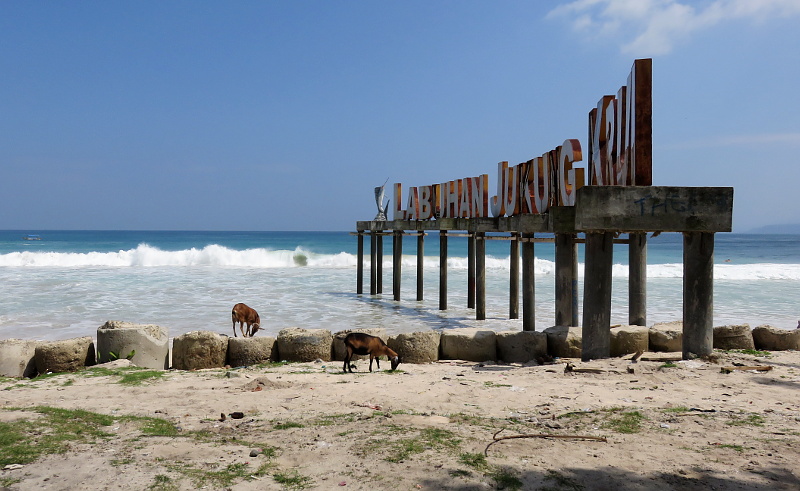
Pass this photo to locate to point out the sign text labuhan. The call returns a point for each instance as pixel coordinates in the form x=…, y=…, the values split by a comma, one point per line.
x=620, y=154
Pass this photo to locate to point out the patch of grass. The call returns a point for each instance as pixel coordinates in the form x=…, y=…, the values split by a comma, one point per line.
x=163, y=483
x=505, y=478
x=494, y=384
x=475, y=460
x=668, y=364
x=221, y=478
x=738, y=448
x=334, y=419
x=460, y=473
x=561, y=482
x=18, y=386
x=750, y=419
x=45, y=376
x=427, y=438
x=404, y=449
x=623, y=421
x=472, y=420
x=22, y=441
x=77, y=419
x=288, y=424
x=676, y=409
x=8, y=481
x=139, y=377
x=292, y=480
x=438, y=437
x=156, y=427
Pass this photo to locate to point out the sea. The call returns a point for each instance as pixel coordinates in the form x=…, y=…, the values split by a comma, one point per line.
x=69, y=283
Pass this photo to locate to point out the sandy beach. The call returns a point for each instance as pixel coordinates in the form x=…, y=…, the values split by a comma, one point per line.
x=615, y=424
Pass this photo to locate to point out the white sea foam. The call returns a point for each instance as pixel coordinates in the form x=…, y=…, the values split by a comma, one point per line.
x=147, y=256
x=218, y=256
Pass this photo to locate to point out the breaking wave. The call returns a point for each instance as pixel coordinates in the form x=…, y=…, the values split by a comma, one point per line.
x=148, y=256
x=214, y=255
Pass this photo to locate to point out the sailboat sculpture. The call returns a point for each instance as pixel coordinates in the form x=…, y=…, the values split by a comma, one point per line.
x=381, y=216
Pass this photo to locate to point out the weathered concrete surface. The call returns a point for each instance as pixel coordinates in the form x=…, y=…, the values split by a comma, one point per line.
x=733, y=337
x=198, y=350
x=564, y=341
x=773, y=339
x=629, y=339
x=521, y=346
x=67, y=355
x=17, y=358
x=470, y=344
x=416, y=347
x=667, y=336
x=646, y=208
x=148, y=343
x=251, y=351
x=298, y=344
x=338, y=342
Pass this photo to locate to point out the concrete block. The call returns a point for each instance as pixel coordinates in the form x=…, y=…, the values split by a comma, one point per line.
x=251, y=351
x=416, y=347
x=149, y=344
x=198, y=350
x=773, y=339
x=298, y=344
x=521, y=346
x=67, y=355
x=733, y=337
x=564, y=341
x=468, y=344
x=629, y=339
x=667, y=336
x=17, y=358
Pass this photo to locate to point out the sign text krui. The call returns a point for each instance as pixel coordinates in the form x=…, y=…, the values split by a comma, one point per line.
x=620, y=151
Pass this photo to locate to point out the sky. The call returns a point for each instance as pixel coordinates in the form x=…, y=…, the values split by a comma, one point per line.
x=284, y=115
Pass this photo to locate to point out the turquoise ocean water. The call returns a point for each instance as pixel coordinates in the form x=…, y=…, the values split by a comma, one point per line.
x=70, y=282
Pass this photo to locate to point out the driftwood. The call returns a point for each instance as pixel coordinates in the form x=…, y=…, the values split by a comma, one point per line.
x=760, y=368
x=495, y=439
x=661, y=358
x=569, y=367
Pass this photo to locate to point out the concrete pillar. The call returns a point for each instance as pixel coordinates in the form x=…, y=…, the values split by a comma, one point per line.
x=420, y=265
x=596, y=331
x=380, y=262
x=528, y=285
x=471, y=271
x=480, y=276
x=566, y=279
x=698, y=294
x=373, y=263
x=442, y=270
x=637, y=279
x=513, y=291
x=397, y=263
x=360, y=264
x=575, y=309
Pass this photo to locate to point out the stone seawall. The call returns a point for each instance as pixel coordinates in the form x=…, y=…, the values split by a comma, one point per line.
x=148, y=346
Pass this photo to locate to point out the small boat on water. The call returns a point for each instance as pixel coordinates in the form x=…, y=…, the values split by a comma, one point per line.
x=32, y=237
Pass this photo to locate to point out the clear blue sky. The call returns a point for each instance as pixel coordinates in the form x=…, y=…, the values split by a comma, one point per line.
x=283, y=115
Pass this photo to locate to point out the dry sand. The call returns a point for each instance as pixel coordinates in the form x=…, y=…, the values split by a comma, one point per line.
x=428, y=426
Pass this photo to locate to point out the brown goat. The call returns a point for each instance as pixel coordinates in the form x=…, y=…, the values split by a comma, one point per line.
x=358, y=343
x=244, y=315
